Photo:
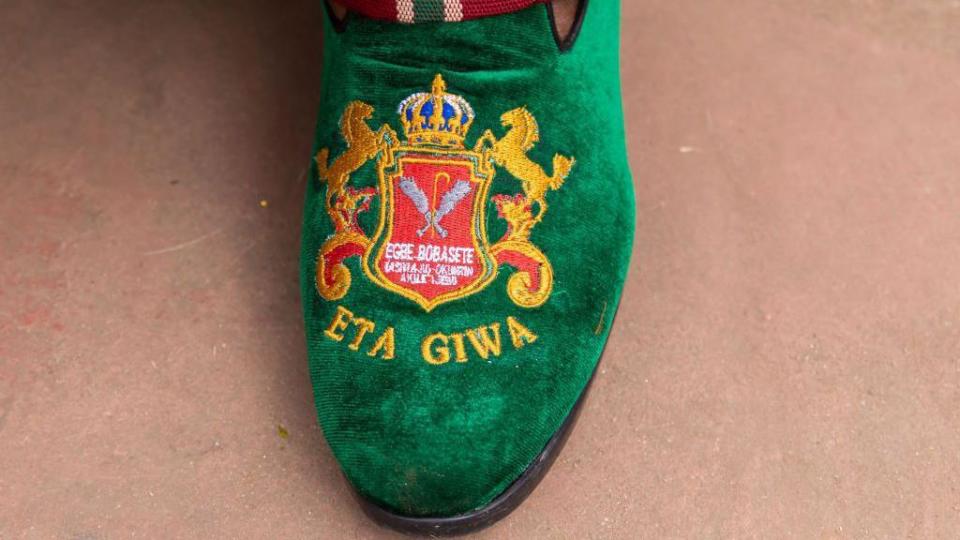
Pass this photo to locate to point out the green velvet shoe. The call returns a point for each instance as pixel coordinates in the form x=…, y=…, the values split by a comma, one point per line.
x=467, y=232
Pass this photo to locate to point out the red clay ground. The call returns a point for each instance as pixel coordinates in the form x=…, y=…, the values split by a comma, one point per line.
x=786, y=361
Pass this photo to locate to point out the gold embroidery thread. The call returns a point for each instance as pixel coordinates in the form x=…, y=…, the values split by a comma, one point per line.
x=431, y=244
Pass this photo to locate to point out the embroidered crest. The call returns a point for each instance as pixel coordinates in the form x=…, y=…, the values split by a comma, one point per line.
x=431, y=244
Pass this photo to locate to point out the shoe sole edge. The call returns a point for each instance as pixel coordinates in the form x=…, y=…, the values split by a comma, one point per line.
x=495, y=510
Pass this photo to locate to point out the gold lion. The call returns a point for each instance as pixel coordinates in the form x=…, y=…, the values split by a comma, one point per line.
x=510, y=152
x=363, y=144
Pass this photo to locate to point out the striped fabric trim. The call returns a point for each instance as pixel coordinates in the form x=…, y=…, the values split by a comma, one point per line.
x=416, y=11
x=405, y=11
x=452, y=10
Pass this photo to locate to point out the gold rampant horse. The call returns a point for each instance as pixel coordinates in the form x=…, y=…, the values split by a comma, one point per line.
x=510, y=152
x=363, y=144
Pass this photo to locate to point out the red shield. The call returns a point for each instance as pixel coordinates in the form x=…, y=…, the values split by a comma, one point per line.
x=431, y=245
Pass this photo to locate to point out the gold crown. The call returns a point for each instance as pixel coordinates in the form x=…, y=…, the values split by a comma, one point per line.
x=436, y=118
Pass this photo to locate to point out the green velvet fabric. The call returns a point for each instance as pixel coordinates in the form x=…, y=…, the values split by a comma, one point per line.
x=440, y=440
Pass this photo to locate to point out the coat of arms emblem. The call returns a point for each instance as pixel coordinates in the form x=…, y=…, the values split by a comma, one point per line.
x=431, y=243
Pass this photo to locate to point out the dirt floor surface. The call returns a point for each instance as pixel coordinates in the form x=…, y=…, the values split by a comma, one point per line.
x=786, y=362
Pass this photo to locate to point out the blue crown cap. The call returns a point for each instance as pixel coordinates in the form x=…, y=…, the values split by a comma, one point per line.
x=436, y=118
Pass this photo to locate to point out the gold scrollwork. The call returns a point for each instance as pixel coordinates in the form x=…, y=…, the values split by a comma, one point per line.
x=520, y=287
x=336, y=285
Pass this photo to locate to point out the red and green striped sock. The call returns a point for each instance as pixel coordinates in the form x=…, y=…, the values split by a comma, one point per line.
x=416, y=11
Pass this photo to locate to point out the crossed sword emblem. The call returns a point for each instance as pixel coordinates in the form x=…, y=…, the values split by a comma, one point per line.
x=448, y=202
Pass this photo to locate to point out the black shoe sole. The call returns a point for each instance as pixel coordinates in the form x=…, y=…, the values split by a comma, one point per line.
x=499, y=508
